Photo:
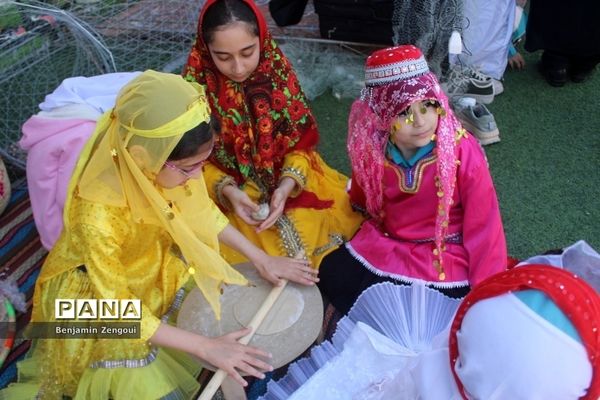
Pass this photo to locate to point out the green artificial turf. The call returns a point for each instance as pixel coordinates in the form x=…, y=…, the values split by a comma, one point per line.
x=546, y=167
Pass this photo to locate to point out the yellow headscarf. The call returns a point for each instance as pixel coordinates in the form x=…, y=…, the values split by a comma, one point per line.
x=152, y=113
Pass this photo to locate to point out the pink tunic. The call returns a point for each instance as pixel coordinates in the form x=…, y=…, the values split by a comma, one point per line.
x=403, y=247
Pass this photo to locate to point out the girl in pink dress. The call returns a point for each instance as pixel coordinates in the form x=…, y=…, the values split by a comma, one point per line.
x=424, y=182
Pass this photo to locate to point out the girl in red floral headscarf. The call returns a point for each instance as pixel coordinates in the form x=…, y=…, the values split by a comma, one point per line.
x=265, y=171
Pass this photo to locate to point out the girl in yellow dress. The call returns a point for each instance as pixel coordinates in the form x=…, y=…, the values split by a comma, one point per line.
x=138, y=207
x=266, y=152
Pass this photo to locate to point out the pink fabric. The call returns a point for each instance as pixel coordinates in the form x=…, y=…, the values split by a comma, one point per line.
x=411, y=218
x=369, y=126
x=53, y=146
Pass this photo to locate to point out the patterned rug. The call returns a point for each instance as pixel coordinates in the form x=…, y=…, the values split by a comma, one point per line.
x=21, y=256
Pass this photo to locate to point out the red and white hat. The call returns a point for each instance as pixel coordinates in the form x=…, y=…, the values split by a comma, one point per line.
x=394, y=63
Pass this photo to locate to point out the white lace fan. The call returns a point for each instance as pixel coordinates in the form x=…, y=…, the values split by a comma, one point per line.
x=411, y=316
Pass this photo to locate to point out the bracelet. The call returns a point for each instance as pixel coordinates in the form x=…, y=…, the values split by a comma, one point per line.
x=219, y=186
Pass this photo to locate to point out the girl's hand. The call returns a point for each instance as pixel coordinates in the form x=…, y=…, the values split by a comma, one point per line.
x=241, y=204
x=226, y=353
x=277, y=205
x=517, y=61
x=275, y=269
x=223, y=352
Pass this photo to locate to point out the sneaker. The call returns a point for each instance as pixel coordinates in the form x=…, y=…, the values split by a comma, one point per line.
x=464, y=81
x=475, y=74
x=498, y=86
x=477, y=119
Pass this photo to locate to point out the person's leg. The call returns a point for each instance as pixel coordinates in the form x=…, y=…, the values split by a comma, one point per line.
x=554, y=68
x=341, y=278
x=582, y=67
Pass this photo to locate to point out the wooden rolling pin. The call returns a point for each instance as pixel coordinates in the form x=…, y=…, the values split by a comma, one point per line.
x=217, y=379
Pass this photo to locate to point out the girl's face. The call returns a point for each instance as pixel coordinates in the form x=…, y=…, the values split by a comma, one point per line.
x=178, y=172
x=414, y=127
x=235, y=50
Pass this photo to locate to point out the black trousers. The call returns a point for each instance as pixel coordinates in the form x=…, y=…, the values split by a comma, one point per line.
x=343, y=278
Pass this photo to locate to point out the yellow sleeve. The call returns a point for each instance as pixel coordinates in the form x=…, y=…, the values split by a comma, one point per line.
x=221, y=221
x=101, y=249
x=216, y=180
x=296, y=166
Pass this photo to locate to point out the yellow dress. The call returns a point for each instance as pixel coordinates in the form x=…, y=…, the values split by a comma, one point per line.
x=105, y=255
x=316, y=231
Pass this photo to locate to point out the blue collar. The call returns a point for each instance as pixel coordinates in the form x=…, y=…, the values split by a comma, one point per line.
x=394, y=154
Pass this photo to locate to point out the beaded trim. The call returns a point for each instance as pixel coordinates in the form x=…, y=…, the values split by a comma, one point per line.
x=137, y=363
x=396, y=71
x=290, y=238
x=335, y=240
x=297, y=176
x=219, y=185
x=142, y=362
x=453, y=238
x=410, y=179
x=402, y=278
x=175, y=305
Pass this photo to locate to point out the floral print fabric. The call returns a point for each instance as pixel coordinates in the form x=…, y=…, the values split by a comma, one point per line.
x=262, y=119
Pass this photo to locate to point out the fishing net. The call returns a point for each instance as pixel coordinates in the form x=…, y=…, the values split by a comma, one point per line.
x=428, y=25
x=158, y=34
x=40, y=45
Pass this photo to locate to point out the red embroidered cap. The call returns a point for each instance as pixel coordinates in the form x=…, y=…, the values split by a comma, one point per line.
x=394, y=63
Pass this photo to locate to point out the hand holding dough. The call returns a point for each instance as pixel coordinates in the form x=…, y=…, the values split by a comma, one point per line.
x=262, y=213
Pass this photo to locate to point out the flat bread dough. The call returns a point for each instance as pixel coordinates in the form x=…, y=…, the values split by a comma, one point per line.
x=284, y=313
x=290, y=327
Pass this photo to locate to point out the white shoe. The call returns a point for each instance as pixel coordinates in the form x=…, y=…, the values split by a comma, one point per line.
x=477, y=119
x=498, y=86
x=464, y=81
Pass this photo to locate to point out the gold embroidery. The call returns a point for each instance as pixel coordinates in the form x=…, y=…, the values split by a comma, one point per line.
x=290, y=238
x=335, y=240
x=297, y=176
x=417, y=173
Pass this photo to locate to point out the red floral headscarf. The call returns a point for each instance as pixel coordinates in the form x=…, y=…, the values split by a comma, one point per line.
x=263, y=118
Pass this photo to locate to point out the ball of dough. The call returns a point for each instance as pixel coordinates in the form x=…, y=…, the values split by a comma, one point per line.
x=262, y=213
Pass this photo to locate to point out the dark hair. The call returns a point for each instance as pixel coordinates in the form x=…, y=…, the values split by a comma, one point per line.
x=191, y=141
x=224, y=13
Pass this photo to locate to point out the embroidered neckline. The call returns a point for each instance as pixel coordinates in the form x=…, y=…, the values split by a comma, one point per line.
x=409, y=179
